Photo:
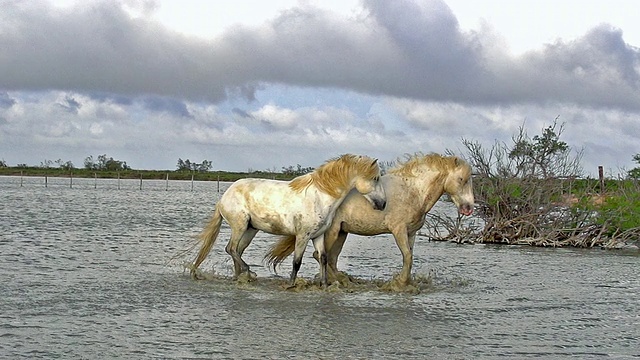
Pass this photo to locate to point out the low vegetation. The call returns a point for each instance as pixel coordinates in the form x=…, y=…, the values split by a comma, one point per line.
x=106, y=167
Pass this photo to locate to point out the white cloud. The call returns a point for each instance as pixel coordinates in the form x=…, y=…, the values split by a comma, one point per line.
x=276, y=117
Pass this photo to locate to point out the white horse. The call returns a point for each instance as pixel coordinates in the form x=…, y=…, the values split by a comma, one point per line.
x=303, y=208
x=412, y=188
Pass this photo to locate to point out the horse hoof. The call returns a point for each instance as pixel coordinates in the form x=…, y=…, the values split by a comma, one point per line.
x=246, y=277
x=194, y=275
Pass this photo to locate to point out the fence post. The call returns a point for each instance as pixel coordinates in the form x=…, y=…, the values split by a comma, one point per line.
x=601, y=177
x=95, y=180
x=46, y=181
x=140, y=181
x=191, y=181
x=71, y=180
x=218, y=184
x=167, y=183
x=118, y=180
x=20, y=178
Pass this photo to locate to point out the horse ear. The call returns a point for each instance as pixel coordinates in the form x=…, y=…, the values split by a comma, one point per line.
x=374, y=162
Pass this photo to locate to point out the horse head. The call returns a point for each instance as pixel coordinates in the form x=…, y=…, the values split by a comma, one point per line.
x=372, y=190
x=459, y=186
x=338, y=176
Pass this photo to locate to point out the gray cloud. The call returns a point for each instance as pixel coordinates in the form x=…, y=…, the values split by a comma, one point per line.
x=596, y=70
x=241, y=113
x=110, y=97
x=6, y=101
x=70, y=104
x=97, y=46
x=398, y=48
x=169, y=105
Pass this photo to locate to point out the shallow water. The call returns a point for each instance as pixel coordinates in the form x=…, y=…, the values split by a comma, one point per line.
x=85, y=272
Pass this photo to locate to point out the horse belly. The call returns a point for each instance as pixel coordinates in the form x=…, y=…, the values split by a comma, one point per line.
x=292, y=222
x=357, y=216
x=364, y=227
x=276, y=224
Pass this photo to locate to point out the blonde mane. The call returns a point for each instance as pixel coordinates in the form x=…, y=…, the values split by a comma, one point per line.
x=334, y=176
x=413, y=164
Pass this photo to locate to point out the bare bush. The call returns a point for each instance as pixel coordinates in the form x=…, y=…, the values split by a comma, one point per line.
x=531, y=191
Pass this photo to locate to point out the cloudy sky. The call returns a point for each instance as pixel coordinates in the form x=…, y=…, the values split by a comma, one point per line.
x=265, y=84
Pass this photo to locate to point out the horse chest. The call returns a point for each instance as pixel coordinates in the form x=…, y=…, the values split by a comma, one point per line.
x=322, y=221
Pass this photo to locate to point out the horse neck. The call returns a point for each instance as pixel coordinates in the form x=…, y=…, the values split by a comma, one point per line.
x=332, y=201
x=342, y=190
x=430, y=185
x=337, y=186
x=329, y=204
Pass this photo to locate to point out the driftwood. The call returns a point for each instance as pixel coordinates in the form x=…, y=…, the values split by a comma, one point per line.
x=554, y=226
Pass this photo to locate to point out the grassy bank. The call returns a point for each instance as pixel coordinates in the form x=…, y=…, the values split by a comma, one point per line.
x=140, y=174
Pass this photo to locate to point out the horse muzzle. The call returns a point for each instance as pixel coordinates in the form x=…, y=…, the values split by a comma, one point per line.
x=377, y=202
x=465, y=209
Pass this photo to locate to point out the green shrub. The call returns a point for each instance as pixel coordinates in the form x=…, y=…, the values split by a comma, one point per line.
x=619, y=212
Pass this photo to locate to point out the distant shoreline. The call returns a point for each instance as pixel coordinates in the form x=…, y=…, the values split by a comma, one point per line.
x=140, y=174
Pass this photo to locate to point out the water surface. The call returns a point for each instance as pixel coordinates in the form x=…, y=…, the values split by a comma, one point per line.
x=85, y=272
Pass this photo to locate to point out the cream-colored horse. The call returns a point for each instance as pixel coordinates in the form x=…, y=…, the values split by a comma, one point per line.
x=302, y=208
x=412, y=188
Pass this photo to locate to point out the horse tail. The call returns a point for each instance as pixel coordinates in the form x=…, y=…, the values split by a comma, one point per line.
x=280, y=250
x=208, y=238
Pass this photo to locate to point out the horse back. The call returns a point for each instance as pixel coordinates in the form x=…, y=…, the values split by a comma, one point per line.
x=251, y=196
x=272, y=206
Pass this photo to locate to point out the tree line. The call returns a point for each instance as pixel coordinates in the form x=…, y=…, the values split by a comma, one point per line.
x=543, y=155
x=108, y=163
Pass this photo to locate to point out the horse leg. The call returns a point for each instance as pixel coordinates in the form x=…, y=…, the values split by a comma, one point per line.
x=405, y=246
x=334, y=246
x=245, y=240
x=333, y=242
x=412, y=240
x=318, y=244
x=239, y=265
x=301, y=244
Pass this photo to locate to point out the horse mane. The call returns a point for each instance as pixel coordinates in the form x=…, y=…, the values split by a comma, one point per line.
x=413, y=164
x=335, y=174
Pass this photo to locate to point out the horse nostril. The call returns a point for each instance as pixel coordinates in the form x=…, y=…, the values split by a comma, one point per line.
x=466, y=209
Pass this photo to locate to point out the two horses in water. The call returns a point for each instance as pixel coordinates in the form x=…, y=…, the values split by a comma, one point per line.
x=342, y=196
x=412, y=189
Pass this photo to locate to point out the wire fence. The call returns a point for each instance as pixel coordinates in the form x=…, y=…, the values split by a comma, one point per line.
x=112, y=184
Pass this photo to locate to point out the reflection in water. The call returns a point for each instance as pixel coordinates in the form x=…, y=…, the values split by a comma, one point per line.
x=86, y=273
